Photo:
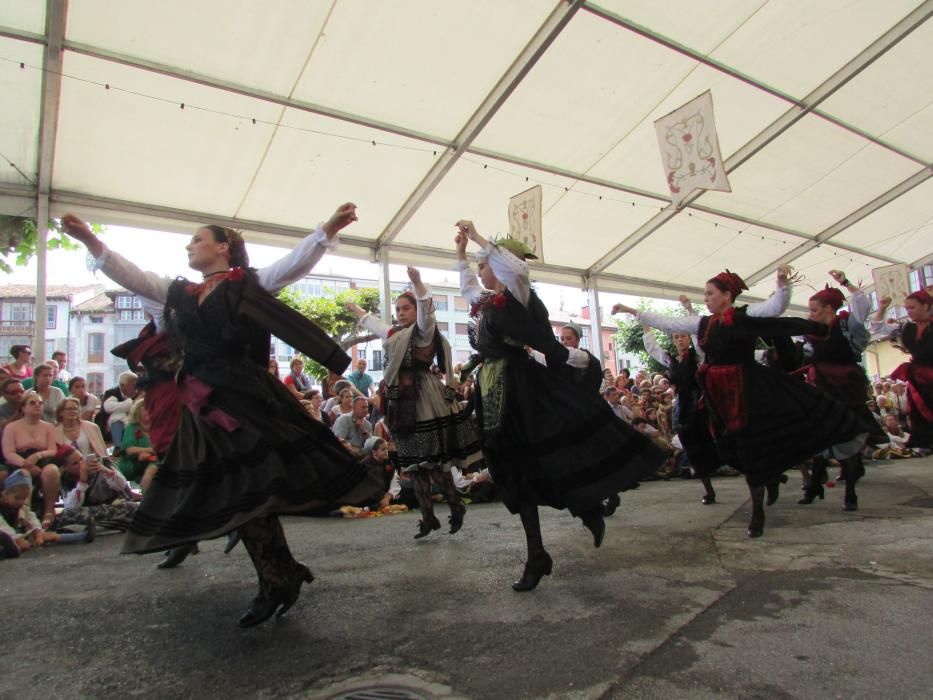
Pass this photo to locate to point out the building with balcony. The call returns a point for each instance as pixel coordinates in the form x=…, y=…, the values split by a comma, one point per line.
x=100, y=323
x=18, y=316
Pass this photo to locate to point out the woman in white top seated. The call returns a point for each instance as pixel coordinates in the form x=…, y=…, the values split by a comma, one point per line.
x=81, y=434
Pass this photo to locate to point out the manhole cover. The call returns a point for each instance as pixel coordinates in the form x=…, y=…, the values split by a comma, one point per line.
x=382, y=692
x=920, y=502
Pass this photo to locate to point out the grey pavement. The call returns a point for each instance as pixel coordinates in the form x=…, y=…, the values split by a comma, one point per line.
x=677, y=603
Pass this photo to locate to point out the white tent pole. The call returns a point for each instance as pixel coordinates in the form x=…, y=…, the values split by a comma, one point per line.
x=385, y=287
x=596, y=339
x=56, y=16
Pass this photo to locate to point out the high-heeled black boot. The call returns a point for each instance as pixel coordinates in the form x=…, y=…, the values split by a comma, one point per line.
x=709, y=498
x=176, y=555
x=426, y=525
x=756, y=526
x=233, y=539
x=536, y=568
x=774, y=489
x=814, y=490
x=593, y=521
x=611, y=505
x=456, y=518
x=265, y=605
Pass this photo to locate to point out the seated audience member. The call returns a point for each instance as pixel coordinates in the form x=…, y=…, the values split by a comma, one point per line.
x=343, y=406
x=12, y=406
x=117, y=403
x=897, y=447
x=89, y=403
x=52, y=396
x=83, y=435
x=94, y=493
x=361, y=381
x=138, y=461
x=375, y=457
x=381, y=429
x=614, y=398
x=334, y=399
x=329, y=388
x=314, y=403
x=467, y=388
x=60, y=357
x=19, y=525
x=352, y=429
x=29, y=444
x=274, y=368
x=296, y=380
x=56, y=382
x=476, y=485
x=21, y=367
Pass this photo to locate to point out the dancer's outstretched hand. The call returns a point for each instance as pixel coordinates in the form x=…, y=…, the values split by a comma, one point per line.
x=356, y=310
x=343, y=217
x=414, y=274
x=79, y=230
x=460, y=241
x=784, y=273
x=839, y=276
x=623, y=309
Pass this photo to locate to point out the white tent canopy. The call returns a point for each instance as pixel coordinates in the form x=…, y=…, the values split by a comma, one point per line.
x=265, y=115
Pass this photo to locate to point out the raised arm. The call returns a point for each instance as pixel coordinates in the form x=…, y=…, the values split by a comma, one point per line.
x=373, y=324
x=469, y=286
x=653, y=348
x=508, y=269
x=777, y=303
x=425, y=310
x=302, y=259
x=878, y=325
x=671, y=324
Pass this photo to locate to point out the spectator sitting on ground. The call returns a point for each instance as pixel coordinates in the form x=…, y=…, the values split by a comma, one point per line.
x=313, y=403
x=12, y=406
x=117, y=404
x=361, y=381
x=375, y=457
x=138, y=461
x=60, y=357
x=329, y=403
x=94, y=493
x=29, y=444
x=274, y=368
x=352, y=429
x=52, y=396
x=897, y=447
x=343, y=406
x=296, y=380
x=330, y=388
x=21, y=367
x=83, y=435
x=19, y=524
x=614, y=398
x=56, y=382
x=89, y=403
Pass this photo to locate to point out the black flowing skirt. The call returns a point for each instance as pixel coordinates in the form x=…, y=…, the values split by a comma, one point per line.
x=559, y=445
x=769, y=422
x=276, y=459
x=699, y=445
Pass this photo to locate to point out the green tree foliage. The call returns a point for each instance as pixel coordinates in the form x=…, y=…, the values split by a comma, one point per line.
x=630, y=335
x=18, y=240
x=332, y=315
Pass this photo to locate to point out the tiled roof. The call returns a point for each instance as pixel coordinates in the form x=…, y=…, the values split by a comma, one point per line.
x=102, y=303
x=52, y=291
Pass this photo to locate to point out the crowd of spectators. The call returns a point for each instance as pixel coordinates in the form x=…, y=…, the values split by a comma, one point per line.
x=75, y=460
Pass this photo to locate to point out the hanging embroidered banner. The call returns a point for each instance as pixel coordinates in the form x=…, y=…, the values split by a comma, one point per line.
x=892, y=281
x=525, y=214
x=690, y=149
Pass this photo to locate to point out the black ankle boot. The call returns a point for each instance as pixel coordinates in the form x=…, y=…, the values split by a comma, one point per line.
x=425, y=526
x=813, y=491
x=260, y=609
x=176, y=555
x=456, y=518
x=774, y=489
x=756, y=526
x=536, y=568
x=233, y=539
x=709, y=498
x=851, y=503
x=264, y=605
x=594, y=522
x=292, y=589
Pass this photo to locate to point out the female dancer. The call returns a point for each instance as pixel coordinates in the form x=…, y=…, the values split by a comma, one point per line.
x=916, y=337
x=153, y=351
x=537, y=451
x=691, y=422
x=764, y=422
x=245, y=449
x=834, y=368
x=431, y=430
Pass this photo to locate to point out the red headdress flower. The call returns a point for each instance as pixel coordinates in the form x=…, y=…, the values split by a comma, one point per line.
x=732, y=282
x=831, y=296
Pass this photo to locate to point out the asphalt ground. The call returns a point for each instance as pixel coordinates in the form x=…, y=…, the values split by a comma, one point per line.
x=677, y=603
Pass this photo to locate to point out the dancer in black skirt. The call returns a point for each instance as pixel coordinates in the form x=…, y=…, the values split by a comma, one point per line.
x=763, y=421
x=245, y=450
x=691, y=422
x=915, y=336
x=538, y=451
x=834, y=367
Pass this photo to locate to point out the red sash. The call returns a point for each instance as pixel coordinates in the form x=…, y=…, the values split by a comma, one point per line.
x=724, y=391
